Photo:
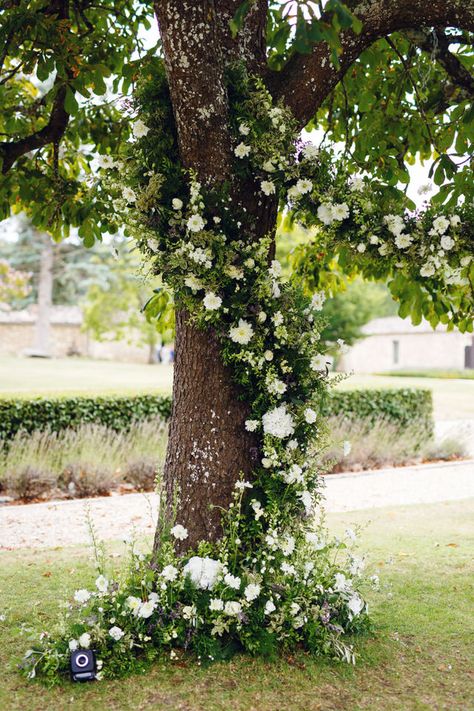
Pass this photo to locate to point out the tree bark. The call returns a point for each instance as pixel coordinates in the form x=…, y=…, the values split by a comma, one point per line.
x=42, y=341
x=208, y=445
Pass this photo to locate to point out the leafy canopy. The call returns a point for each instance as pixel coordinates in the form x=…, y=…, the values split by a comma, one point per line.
x=67, y=70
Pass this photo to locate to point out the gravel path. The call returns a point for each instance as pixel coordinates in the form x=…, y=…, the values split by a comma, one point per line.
x=63, y=523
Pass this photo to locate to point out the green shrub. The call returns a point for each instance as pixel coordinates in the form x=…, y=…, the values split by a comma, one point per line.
x=57, y=414
x=402, y=406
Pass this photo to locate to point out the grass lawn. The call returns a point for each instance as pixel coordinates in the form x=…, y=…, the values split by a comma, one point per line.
x=71, y=376
x=26, y=377
x=420, y=656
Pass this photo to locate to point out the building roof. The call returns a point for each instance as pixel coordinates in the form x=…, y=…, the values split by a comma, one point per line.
x=390, y=325
x=60, y=315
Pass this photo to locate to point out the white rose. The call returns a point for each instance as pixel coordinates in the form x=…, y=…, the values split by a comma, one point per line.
x=179, y=532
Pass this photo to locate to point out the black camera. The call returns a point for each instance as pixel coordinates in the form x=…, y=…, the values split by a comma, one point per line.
x=83, y=665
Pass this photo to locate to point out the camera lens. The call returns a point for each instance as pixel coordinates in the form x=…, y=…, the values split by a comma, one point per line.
x=82, y=660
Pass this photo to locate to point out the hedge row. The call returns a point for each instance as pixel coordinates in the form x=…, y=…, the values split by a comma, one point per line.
x=403, y=407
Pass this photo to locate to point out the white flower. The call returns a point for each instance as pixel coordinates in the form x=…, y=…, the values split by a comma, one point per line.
x=373, y=239
x=244, y=129
x=241, y=333
x=129, y=195
x=232, y=581
x=146, y=609
x=275, y=269
x=287, y=568
x=310, y=151
x=216, y=605
x=73, y=645
x=203, y=571
x=241, y=485
x=153, y=244
x=276, y=387
x=455, y=220
x=340, y=211
x=447, y=242
x=232, y=608
x=268, y=355
x=268, y=166
x=278, y=318
x=169, y=573
x=82, y=596
x=195, y=223
x=139, y=129
x=133, y=603
x=310, y=415
x=440, y=224
x=242, y=151
x=193, y=283
x=427, y=270
x=278, y=422
x=383, y=249
x=102, y=584
x=325, y=213
x=395, y=224
x=177, y=203
x=292, y=444
x=294, y=608
x=318, y=362
x=257, y=507
x=288, y=545
x=251, y=425
x=357, y=565
x=189, y=612
x=346, y=448
x=211, y=301
x=84, y=640
x=342, y=584
x=234, y=272
x=314, y=540
x=403, y=241
x=267, y=187
x=116, y=633
x=262, y=317
x=350, y=534
x=306, y=500
x=317, y=300
x=355, y=605
x=269, y=607
x=356, y=183
x=294, y=475
x=304, y=186
x=266, y=463
x=179, y=532
x=251, y=592
x=105, y=161
x=361, y=247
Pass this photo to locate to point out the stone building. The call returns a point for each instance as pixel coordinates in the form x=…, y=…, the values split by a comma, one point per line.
x=17, y=336
x=393, y=343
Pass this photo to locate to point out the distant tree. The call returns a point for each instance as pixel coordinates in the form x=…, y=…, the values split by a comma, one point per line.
x=13, y=283
x=114, y=309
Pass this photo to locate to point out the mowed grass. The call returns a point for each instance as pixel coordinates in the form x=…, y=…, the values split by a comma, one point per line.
x=27, y=377
x=420, y=655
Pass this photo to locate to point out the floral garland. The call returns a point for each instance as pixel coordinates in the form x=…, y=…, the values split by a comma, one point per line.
x=274, y=580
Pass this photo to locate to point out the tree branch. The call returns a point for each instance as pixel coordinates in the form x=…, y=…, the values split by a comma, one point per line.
x=307, y=80
x=52, y=132
x=454, y=68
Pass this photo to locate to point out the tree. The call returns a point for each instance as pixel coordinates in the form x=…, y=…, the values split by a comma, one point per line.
x=215, y=128
x=114, y=310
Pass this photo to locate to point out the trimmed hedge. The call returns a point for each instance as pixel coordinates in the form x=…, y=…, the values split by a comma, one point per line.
x=58, y=414
x=402, y=406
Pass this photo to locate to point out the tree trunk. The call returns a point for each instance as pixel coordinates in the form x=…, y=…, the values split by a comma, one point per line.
x=42, y=340
x=208, y=447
